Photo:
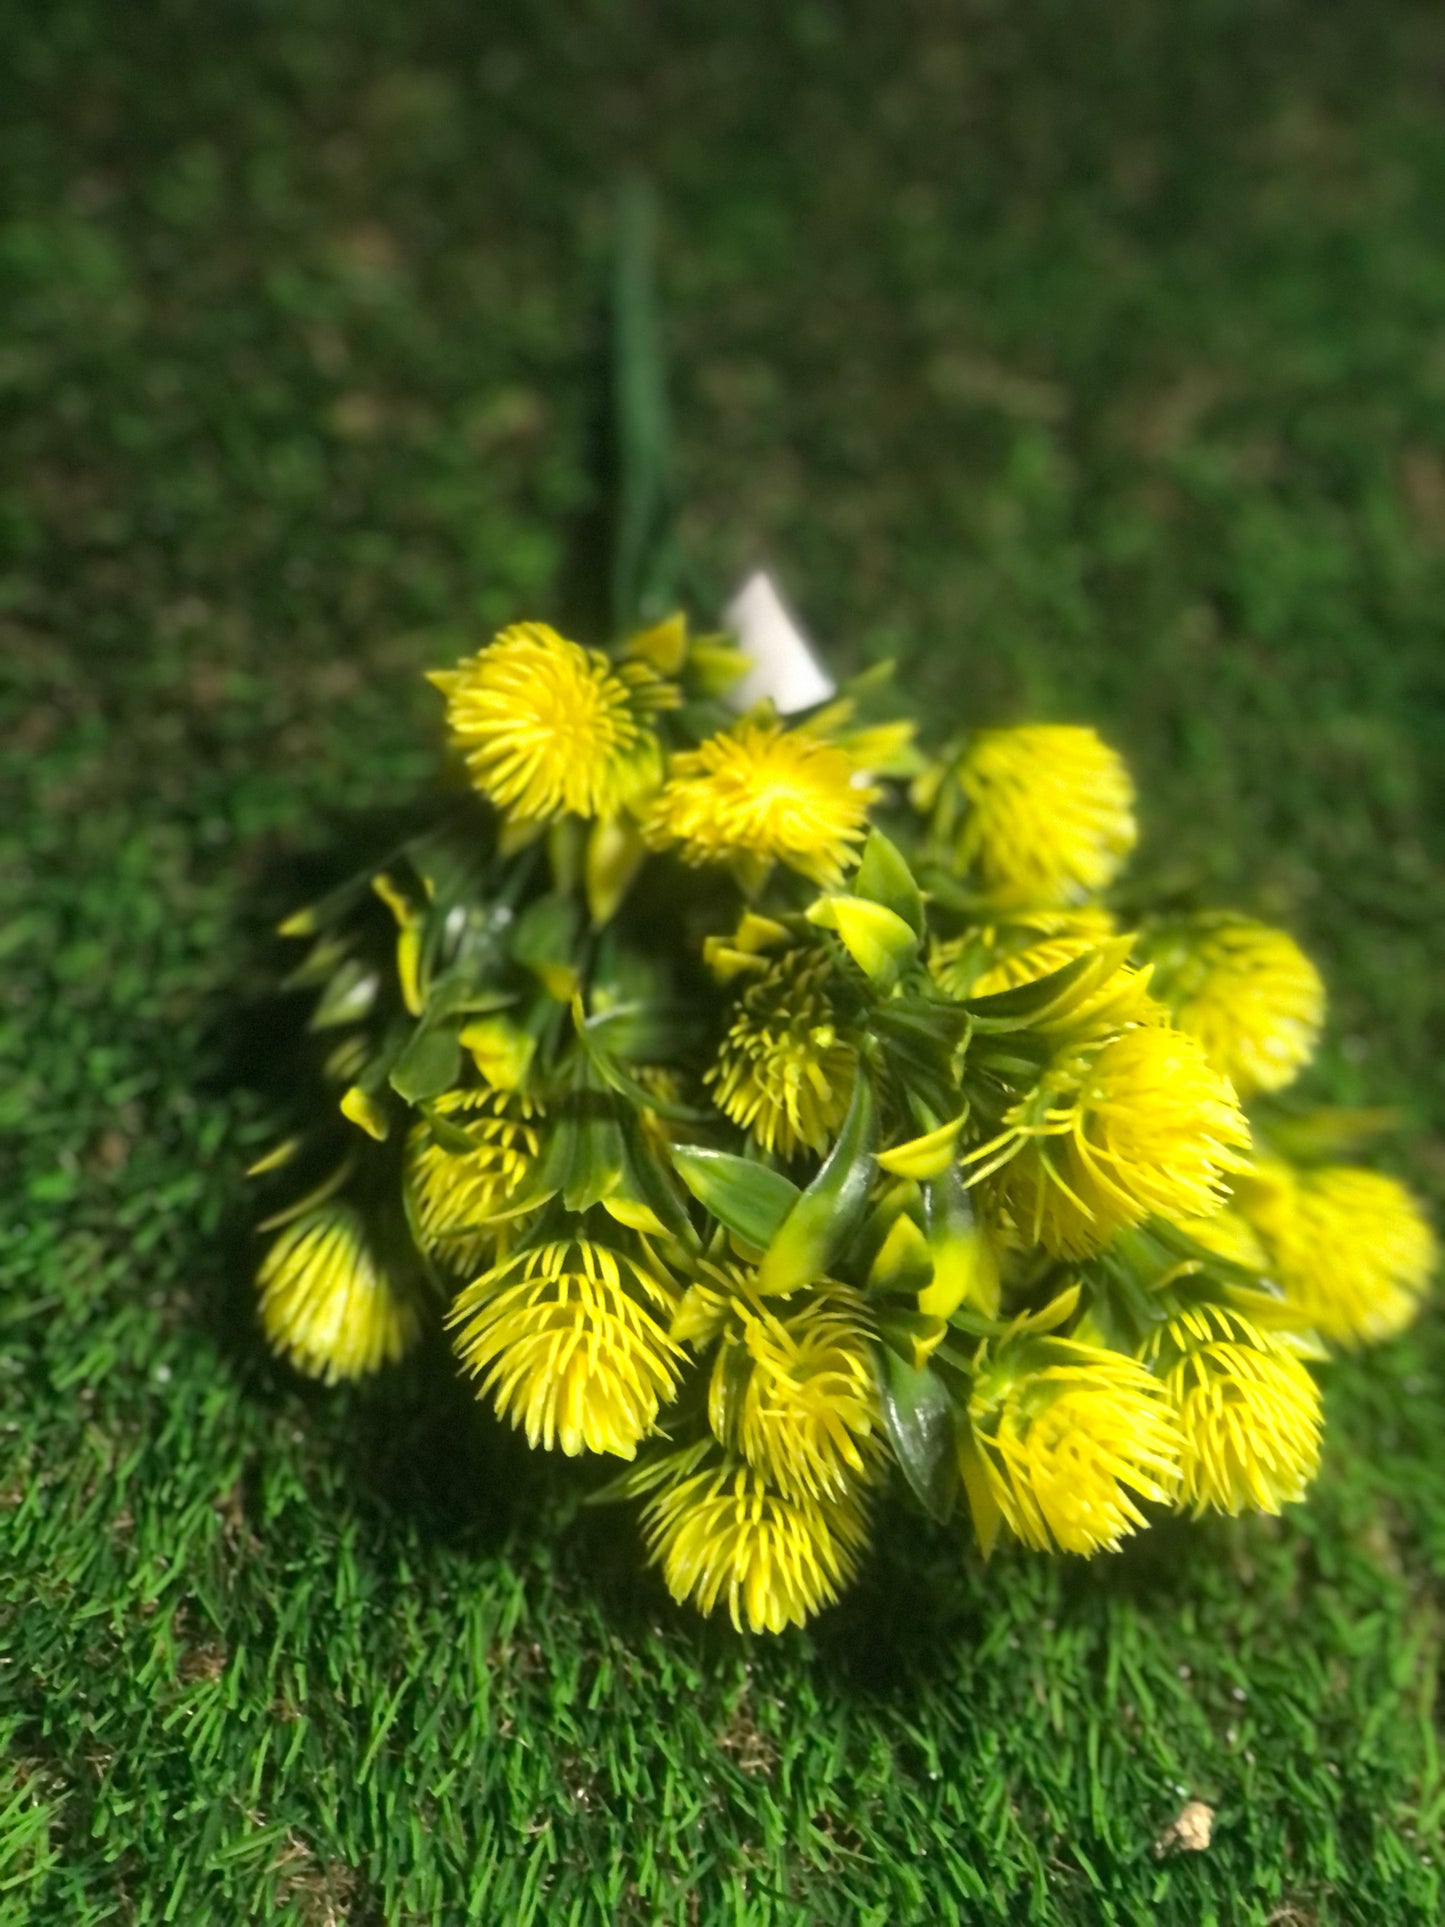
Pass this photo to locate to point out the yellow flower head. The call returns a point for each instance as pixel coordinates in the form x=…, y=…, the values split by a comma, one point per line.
x=1071, y=1436
x=1248, y=1410
x=764, y=792
x=793, y=1388
x=1148, y=1129
x=783, y=1073
x=1351, y=1248
x=456, y=1196
x=1247, y=992
x=566, y=1347
x=546, y=727
x=327, y=1304
x=722, y=1534
x=1002, y=956
x=1037, y=815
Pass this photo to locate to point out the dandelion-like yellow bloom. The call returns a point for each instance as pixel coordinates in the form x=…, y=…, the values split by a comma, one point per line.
x=807, y=1415
x=1246, y=991
x=783, y=1072
x=761, y=791
x=1048, y=813
x=564, y=1343
x=327, y=1304
x=1351, y=1248
x=723, y=1535
x=456, y=1196
x=1001, y=956
x=1248, y=1410
x=546, y=727
x=1148, y=1129
x=1071, y=1437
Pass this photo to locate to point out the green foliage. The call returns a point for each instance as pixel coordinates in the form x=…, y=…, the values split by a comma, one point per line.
x=1110, y=391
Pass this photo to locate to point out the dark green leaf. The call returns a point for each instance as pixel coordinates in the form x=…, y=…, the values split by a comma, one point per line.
x=749, y=1199
x=828, y=1212
x=884, y=877
x=427, y=1066
x=920, y=1420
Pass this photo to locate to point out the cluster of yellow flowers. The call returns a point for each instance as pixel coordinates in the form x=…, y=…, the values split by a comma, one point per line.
x=787, y=1110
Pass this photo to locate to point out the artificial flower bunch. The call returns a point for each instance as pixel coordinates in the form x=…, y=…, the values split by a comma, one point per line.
x=784, y=1109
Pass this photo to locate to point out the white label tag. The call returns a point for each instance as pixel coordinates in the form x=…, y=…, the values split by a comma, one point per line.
x=784, y=666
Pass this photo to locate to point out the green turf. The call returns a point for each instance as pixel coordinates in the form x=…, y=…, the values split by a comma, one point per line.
x=1092, y=360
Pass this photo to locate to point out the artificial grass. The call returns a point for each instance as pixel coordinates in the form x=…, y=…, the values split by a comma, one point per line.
x=1088, y=360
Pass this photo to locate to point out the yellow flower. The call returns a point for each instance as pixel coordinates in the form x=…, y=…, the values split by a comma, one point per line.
x=1144, y=1128
x=327, y=1304
x=793, y=1386
x=566, y=1347
x=1351, y=1248
x=1001, y=956
x=766, y=793
x=1248, y=1410
x=456, y=1196
x=547, y=727
x=722, y=1534
x=1071, y=1436
x=1247, y=992
x=1037, y=815
x=783, y=1073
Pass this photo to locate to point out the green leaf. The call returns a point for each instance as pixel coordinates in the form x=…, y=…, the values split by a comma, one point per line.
x=600, y=1156
x=904, y=1263
x=751, y=1200
x=920, y=1420
x=829, y=1211
x=965, y=1265
x=879, y=942
x=427, y=1066
x=884, y=877
x=348, y=997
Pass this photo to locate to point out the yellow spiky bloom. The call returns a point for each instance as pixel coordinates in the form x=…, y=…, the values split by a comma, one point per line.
x=783, y=1072
x=327, y=1303
x=1144, y=1127
x=546, y=727
x=1038, y=815
x=766, y=793
x=562, y=1339
x=1071, y=1436
x=793, y=1387
x=457, y=1196
x=1000, y=956
x=1351, y=1248
x=724, y=1536
x=1249, y=1412
x=1246, y=991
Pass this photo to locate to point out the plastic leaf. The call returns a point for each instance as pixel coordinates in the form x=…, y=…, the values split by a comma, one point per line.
x=615, y=851
x=912, y=1335
x=884, y=877
x=965, y=1267
x=751, y=1200
x=920, y=1420
x=427, y=1066
x=924, y=1157
x=987, y=1517
x=878, y=940
x=501, y=1051
x=829, y=1211
x=363, y=1110
x=904, y=1262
